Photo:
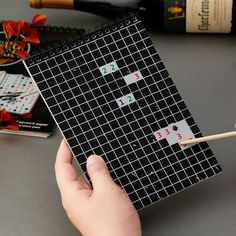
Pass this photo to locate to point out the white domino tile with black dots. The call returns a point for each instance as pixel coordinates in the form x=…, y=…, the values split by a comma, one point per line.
x=111, y=94
x=24, y=89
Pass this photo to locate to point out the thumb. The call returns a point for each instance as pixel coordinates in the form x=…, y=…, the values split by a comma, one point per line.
x=98, y=172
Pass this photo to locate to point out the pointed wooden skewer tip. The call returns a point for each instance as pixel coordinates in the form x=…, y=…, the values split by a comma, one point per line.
x=26, y=94
x=209, y=138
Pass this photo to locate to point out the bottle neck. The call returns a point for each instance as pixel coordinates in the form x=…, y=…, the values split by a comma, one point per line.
x=151, y=11
x=101, y=8
x=169, y=15
x=65, y=4
x=234, y=18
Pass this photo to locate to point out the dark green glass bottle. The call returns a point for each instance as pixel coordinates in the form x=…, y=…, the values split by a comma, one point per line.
x=179, y=16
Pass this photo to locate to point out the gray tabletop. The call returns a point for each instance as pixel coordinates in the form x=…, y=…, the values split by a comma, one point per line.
x=203, y=68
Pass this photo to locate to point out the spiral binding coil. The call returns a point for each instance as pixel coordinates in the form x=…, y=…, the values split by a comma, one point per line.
x=60, y=47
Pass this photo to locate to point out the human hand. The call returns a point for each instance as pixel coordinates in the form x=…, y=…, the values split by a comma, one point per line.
x=104, y=210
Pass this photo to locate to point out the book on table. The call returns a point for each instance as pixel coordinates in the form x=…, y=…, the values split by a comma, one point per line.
x=23, y=111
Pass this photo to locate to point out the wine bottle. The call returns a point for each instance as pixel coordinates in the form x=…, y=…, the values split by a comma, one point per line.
x=193, y=16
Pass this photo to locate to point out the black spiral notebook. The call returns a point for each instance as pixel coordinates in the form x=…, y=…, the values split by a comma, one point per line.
x=110, y=94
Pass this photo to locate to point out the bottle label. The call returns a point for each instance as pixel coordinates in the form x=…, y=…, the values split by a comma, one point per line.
x=175, y=16
x=209, y=16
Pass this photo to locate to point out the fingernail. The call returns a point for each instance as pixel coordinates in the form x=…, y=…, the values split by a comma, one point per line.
x=93, y=159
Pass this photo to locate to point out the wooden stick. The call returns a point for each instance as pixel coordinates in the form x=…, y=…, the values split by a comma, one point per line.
x=209, y=138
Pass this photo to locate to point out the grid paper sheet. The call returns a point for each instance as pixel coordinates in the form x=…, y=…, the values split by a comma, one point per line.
x=111, y=95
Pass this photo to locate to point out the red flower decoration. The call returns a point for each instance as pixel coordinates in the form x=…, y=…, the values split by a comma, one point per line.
x=6, y=122
x=39, y=20
x=18, y=34
x=10, y=121
x=4, y=115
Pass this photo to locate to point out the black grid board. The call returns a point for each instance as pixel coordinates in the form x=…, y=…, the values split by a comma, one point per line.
x=84, y=105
